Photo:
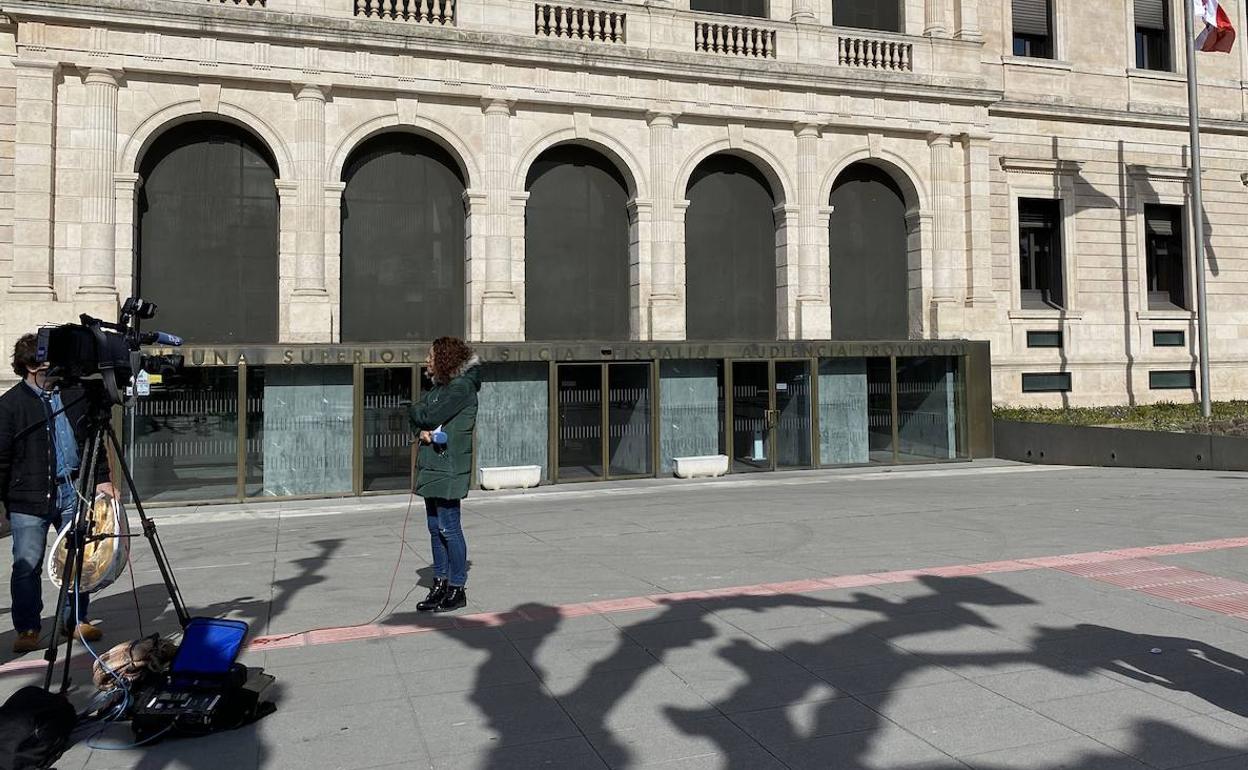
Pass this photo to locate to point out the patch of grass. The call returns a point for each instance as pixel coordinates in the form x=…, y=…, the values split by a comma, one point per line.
x=1229, y=417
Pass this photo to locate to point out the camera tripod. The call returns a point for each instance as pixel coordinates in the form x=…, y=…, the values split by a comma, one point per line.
x=80, y=535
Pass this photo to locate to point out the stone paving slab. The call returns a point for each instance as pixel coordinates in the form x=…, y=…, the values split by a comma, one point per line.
x=559, y=662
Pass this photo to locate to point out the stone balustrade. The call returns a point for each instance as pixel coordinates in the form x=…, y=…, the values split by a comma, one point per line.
x=744, y=40
x=874, y=53
x=579, y=23
x=437, y=12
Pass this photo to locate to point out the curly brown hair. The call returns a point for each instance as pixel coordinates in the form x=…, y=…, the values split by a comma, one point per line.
x=446, y=356
x=24, y=354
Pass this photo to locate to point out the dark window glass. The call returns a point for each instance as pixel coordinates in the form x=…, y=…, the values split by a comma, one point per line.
x=1044, y=339
x=207, y=227
x=1174, y=380
x=1033, y=28
x=883, y=15
x=576, y=272
x=1048, y=382
x=1152, y=35
x=868, y=263
x=756, y=8
x=1040, y=253
x=1167, y=263
x=1169, y=339
x=730, y=252
x=402, y=242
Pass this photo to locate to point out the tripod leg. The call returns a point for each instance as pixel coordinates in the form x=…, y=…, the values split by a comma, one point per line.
x=75, y=544
x=149, y=531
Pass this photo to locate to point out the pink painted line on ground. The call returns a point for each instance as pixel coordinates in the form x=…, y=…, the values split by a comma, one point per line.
x=1118, y=565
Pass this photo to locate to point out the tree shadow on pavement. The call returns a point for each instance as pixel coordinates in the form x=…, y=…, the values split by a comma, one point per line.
x=869, y=662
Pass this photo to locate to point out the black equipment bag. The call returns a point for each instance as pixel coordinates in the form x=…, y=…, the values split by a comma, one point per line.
x=35, y=728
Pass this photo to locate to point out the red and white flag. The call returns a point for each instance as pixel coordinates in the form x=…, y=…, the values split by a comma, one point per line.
x=1217, y=33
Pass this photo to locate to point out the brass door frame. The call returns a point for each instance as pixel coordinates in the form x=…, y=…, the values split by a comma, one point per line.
x=604, y=385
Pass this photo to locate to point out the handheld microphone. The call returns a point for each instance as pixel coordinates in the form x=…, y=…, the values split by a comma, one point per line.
x=161, y=338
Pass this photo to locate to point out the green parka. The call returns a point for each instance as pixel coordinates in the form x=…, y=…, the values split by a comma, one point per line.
x=453, y=406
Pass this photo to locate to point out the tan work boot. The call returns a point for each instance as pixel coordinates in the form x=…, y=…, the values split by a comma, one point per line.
x=27, y=641
x=85, y=632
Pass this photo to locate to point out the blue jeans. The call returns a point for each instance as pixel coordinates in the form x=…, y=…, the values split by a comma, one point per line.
x=30, y=542
x=450, y=550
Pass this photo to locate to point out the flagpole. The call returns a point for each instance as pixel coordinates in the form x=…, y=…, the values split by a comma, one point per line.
x=1198, y=209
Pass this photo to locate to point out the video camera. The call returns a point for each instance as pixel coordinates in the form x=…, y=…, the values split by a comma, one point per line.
x=109, y=352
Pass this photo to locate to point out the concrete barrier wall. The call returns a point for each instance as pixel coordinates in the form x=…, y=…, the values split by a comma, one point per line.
x=1108, y=447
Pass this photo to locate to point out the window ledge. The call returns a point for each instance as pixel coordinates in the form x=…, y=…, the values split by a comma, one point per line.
x=1042, y=314
x=1165, y=315
x=1038, y=63
x=1174, y=77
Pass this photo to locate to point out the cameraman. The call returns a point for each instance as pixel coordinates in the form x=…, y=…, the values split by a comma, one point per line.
x=42, y=438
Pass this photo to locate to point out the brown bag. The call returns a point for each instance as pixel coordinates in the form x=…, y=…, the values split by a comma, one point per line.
x=133, y=661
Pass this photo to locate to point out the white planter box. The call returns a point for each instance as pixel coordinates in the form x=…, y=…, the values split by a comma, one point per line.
x=701, y=467
x=510, y=477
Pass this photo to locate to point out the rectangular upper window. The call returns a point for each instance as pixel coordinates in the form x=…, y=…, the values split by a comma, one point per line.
x=1040, y=253
x=1046, y=382
x=1184, y=379
x=1152, y=35
x=1044, y=339
x=1167, y=262
x=1169, y=339
x=755, y=8
x=884, y=15
x=1033, y=28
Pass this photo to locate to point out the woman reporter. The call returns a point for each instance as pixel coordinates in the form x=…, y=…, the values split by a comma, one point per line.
x=443, y=421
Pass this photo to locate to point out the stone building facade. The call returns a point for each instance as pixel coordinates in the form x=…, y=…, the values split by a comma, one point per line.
x=941, y=103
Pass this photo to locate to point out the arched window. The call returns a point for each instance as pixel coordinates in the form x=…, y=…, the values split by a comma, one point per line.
x=208, y=233
x=402, y=241
x=730, y=252
x=576, y=247
x=868, y=257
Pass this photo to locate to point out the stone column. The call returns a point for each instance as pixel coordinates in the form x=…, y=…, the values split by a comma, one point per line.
x=978, y=220
x=33, y=172
x=803, y=12
x=788, y=280
x=311, y=314
x=936, y=22
x=501, y=316
x=98, y=208
x=814, y=318
x=125, y=187
x=310, y=170
x=667, y=313
x=944, y=198
x=968, y=21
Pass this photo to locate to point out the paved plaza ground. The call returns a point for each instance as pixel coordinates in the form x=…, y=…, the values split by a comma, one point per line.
x=893, y=619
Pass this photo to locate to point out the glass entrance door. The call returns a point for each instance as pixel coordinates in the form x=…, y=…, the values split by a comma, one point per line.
x=580, y=421
x=792, y=414
x=605, y=419
x=771, y=420
x=751, y=416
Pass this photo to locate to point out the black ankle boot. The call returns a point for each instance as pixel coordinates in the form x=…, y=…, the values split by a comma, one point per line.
x=436, y=594
x=455, y=598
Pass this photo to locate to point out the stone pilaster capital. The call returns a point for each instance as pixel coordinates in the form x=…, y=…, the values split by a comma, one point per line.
x=286, y=189
x=498, y=105
x=127, y=180
x=312, y=91
x=662, y=118
x=36, y=66
x=805, y=129
x=103, y=76
x=938, y=139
